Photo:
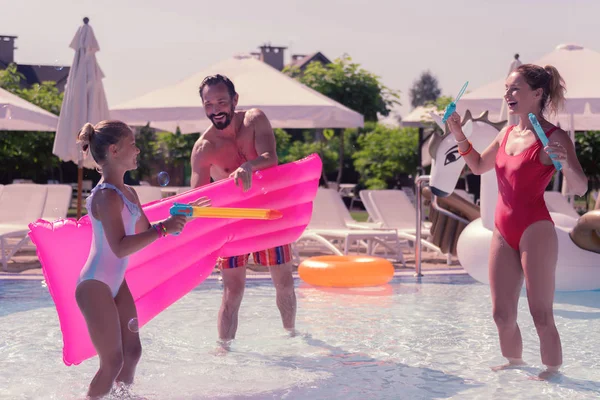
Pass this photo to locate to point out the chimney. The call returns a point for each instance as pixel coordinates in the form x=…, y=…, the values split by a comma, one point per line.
x=272, y=55
x=7, y=49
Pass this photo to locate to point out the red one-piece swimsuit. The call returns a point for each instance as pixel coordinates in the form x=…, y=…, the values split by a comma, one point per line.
x=522, y=180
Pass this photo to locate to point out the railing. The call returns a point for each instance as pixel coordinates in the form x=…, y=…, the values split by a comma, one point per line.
x=419, y=206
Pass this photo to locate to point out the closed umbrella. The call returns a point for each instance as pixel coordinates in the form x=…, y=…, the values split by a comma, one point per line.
x=84, y=101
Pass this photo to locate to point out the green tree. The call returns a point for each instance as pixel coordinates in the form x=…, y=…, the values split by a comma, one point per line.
x=163, y=151
x=28, y=155
x=385, y=154
x=46, y=96
x=347, y=83
x=587, y=145
x=424, y=90
x=282, y=140
x=301, y=148
x=440, y=103
x=172, y=152
x=10, y=79
x=144, y=140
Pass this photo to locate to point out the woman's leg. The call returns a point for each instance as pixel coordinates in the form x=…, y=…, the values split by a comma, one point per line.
x=539, y=255
x=132, y=347
x=98, y=308
x=506, y=281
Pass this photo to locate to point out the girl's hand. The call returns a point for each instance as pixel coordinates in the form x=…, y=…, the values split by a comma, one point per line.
x=175, y=223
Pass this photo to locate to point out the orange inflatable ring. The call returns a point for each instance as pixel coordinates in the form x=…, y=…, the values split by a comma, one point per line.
x=346, y=271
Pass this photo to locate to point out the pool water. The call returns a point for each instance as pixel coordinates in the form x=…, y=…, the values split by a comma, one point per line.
x=430, y=340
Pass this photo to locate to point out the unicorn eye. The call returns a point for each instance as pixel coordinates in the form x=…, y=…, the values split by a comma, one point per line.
x=451, y=157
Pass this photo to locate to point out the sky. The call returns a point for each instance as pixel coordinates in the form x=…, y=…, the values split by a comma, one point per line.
x=149, y=44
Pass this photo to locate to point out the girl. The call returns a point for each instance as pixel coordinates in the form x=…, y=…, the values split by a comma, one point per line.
x=120, y=228
x=524, y=244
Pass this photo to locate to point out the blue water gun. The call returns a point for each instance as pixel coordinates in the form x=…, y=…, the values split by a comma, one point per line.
x=450, y=108
x=540, y=132
x=181, y=209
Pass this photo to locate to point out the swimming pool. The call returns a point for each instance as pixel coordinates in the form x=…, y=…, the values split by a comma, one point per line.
x=433, y=340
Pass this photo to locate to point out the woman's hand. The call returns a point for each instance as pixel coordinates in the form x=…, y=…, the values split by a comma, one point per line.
x=455, y=126
x=557, y=152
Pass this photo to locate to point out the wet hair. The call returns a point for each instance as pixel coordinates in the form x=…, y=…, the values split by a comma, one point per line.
x=549, y=80
x=213, y=80
x=96, y=139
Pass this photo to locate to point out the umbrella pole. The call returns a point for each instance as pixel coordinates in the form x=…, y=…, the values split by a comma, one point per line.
x=79, y=188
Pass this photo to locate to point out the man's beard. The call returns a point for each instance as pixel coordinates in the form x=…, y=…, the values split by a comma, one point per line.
x=221, y=124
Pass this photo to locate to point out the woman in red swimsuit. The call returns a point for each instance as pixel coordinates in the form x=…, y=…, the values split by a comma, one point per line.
x=524, y=244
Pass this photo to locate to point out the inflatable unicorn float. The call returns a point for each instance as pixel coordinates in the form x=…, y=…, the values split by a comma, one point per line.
x=578, y=265
x=163, y=272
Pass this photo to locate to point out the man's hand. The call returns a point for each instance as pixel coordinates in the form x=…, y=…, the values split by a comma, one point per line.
x=243, y=174
x=201, y=202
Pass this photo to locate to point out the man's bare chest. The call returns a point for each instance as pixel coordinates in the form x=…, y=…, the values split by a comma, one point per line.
x=230, y=154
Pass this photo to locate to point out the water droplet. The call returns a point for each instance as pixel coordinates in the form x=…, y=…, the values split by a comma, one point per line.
x=163, y=178
x=133, y=325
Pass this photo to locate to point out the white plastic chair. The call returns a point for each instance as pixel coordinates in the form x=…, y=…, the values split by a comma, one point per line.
x=58, y=201
x=330, y=197
x=148, y=194
x=20, y=204
x=328, y=227
x=182, y=189
x=393, y=210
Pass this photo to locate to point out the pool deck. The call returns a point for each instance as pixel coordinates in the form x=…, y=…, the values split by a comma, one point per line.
x=25, y=265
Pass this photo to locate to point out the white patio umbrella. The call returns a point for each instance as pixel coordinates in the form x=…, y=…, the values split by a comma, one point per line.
x=286, y=102
x=84, y=101
x=17, y=114
x=578, y=66
x=418, y=118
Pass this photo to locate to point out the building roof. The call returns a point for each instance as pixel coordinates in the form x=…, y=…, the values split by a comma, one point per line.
x=34, y=73
x=302, y=62
x=41, y=73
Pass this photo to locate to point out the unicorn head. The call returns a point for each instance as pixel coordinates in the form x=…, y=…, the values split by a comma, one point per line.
x=447, y=163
